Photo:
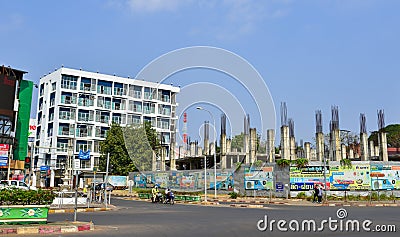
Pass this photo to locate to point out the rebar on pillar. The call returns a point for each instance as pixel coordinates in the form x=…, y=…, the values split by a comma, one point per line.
x=363, y=138
x=319, y=137
x=246, y=141
x=206, y=138
x=335, y=146
x=223, y=142
x=292, y=140
x=382, y=139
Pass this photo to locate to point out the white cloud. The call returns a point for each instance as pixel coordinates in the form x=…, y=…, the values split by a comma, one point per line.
x=155, y=5
x=244, y=16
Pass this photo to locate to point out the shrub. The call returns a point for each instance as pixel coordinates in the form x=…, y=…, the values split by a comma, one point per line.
x=383, y=197
x=233, y=195
x=301, y=162
x=14, y=196
x=301, y=195
x=283, y=162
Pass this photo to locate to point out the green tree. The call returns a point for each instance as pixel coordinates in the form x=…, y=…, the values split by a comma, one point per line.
x=393, y=135
x=142, y=145
x=237, y=142
x=114, y=144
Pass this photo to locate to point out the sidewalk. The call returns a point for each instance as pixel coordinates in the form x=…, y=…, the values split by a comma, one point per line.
x=259, y=202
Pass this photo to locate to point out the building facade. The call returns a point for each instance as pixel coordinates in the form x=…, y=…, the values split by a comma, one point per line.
x=76, y=108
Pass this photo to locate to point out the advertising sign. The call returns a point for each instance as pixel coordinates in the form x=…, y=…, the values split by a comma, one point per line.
x=7, y=92
x=118, y=181
x=355, y=178
x=4, y=154
x=84, y=155
x=259, y=178
x=305, y=178
x=385, y=177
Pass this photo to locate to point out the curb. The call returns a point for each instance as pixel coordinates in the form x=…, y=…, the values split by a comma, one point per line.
x=48, y=229
x=242, y=203
x=52, y=211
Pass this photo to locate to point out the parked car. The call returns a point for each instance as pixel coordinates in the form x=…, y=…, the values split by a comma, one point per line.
x=101, y=186
x=15, y=184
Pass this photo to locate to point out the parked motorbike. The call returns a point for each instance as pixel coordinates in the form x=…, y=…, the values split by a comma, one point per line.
x=158, y=198
x=170, y=199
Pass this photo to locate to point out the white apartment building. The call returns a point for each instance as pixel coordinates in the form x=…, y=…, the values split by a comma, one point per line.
x=87, y=103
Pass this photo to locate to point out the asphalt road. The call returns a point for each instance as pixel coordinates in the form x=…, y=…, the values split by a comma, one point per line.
x=137, y=218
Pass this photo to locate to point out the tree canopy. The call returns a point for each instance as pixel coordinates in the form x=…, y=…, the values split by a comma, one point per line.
x=114, y=144
x=393, y=135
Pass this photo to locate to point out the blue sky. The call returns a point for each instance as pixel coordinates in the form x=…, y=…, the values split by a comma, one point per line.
x=312, y=54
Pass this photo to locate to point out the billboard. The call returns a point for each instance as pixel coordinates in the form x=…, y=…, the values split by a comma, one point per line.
x=4, y=154
x=356, y=177
x=259, y=178
x=305, y=178
x=7, y=92
x=385, y=177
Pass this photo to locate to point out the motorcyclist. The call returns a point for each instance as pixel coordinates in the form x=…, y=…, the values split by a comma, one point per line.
x=167, y=193
x=154, y=192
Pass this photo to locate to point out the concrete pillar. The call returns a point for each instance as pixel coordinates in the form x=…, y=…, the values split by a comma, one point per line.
x=199, y=151
x=246, y=148
x=335, y=146
x=377, y=151
x=162, y=162
x=285, y=144
x=52, y=175
x=351, y=153
x=364, y=146
x=154, y=162
x=313, y=154
x=383, y=154
x=320, y=146
x=371, y=149
x=293, y=155
x=270, y=145
x=253, y=145
x=172, y=160
x=343, y=151
x=192, y=149
x=223, y=151
x=212, y=150
x=307, y=150
x=206, y=147
x=228, y=146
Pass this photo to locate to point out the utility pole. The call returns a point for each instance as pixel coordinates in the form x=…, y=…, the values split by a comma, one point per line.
x=106, y=179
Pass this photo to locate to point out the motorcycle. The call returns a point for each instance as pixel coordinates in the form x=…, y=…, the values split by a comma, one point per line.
x=158, y=198
x=170, y=199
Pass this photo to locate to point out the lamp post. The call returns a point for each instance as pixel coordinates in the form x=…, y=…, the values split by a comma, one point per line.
x=215, y=151
x=325, y=154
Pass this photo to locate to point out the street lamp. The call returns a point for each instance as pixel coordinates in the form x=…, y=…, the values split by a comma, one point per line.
x=325, y=155
x=215, y=151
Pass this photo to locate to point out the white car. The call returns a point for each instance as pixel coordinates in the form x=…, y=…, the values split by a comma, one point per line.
x=16, y=184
